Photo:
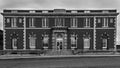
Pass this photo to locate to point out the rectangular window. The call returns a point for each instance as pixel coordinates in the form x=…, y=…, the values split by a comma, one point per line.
x=105, y=22
x=45, y=41
x=104, y=43
x=98, y=20
x=13, y=22
x=112, y=20
x=20, y=20
x=73, y=41
x=86, y=43
x=31, y=22
x=87, y=22
x=14, y=43
x=59, y=22
x=7, y=20
x=32, y=41
x=44, y=22
x=73, y=22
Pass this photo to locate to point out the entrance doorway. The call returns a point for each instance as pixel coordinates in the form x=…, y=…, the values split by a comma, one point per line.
x=59, y=43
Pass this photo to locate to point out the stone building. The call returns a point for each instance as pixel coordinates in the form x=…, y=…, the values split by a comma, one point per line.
x=59, y=29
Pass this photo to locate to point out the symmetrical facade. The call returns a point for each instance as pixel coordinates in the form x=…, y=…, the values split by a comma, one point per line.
x=60, y=29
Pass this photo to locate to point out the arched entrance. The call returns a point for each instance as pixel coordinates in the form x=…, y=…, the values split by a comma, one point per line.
x=59, y=40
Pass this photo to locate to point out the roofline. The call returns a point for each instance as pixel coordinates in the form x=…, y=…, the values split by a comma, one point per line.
x=60, y=8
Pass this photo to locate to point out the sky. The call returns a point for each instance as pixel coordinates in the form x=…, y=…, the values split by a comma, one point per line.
x=62, y=4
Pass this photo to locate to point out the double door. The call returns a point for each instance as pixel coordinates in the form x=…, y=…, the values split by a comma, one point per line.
x=59, y=44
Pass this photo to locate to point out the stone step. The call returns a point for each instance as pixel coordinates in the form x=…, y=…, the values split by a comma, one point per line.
x=62, y=52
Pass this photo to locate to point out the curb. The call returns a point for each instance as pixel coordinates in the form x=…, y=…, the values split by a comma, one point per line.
x=56, y=57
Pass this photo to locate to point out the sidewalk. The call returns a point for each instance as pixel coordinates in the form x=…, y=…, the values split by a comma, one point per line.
x=27, y=56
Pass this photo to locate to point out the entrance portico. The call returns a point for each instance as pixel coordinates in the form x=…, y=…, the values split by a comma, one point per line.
x=59, y=40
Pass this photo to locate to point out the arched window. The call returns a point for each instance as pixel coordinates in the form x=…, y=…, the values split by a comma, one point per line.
x=105, y=38
x=14, y=40
x=45, y=41
x=32, y=40
x=86, y=41
x=73, y=41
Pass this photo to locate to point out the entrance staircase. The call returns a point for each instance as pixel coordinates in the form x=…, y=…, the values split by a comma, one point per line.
x=57, y=52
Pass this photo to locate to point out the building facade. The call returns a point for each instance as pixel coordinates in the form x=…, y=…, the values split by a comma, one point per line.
x=59, y=29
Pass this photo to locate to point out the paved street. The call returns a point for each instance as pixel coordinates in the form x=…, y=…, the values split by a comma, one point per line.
x=82, y=62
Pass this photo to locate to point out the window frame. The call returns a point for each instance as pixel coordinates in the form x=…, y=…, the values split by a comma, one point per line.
x=31, y=22
x=113, y=19
x=13, y=22
x=13, y=43
x=87, y=22
x=75, y=40
x=104, y=42
x=105, y=22
x=59, y=22
x=8, y=20
x=20, y=20
x=32, y=41
x=45, y=23
x=43, y=41
x=74, y=22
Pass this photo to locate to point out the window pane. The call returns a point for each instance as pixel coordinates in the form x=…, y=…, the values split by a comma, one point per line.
x=86, y=43
x=32, y=40
x=104, y=43
x=73, y=22
x=20, y=20
x=7, y=20
x=105, y=23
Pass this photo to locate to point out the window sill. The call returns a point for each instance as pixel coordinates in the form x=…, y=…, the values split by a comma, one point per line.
x=104, y=26
x=86, y=26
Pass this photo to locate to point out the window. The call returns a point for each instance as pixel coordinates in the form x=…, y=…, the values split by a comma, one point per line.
x=86, y=41
x=59, y=22
x=112, y=20
x=14, y=22
x=31, y=22
x=87, y=22
x=45, y=41
x=44, y=22
x=105, y=38
x=104, y=43
x=14, y=43
x=14, y=39
x=73, y=22
x=32, y=40
x=73, y=41
x=98, y=20
x=20, y=20
x=105, y=22
x=7, y=20
x=65, y=39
